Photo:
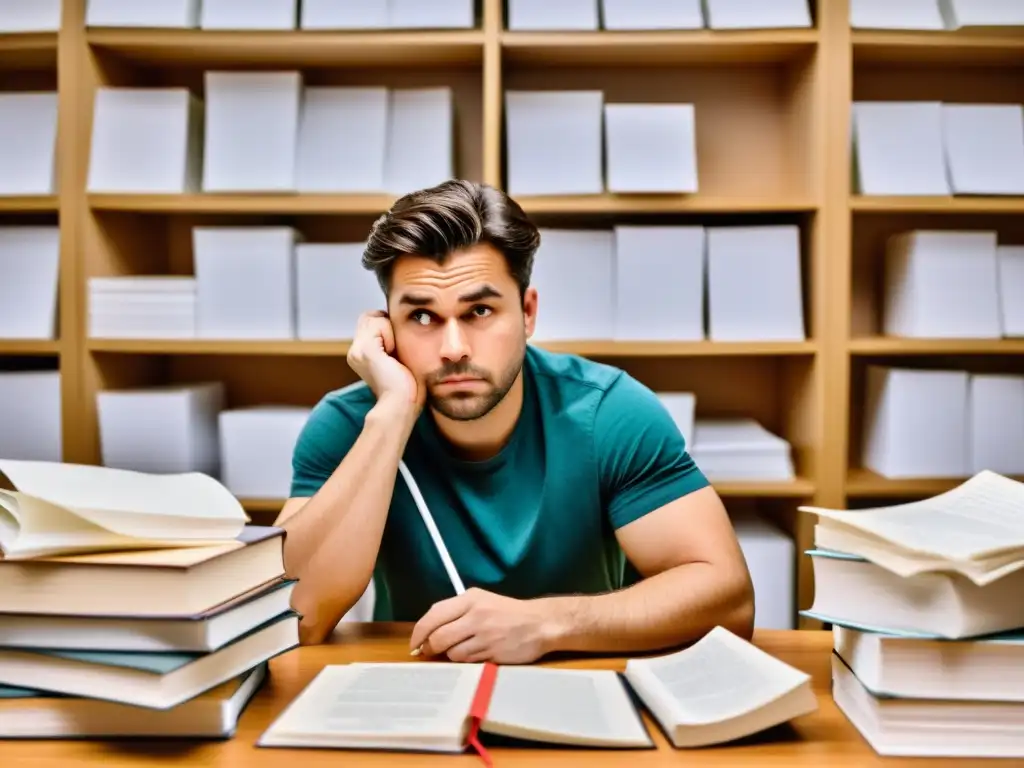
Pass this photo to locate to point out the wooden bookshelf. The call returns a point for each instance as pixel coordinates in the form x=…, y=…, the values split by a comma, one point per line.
x=773, y=110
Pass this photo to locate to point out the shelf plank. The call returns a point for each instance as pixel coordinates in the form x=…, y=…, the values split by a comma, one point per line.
x=351, y=204
x=218, y=347
x=801, y=487
x=935, y=204
x=325, y=204
x=620, y=204
x=28, y=50
x=292, y=48
x=680, y=348
x=656, y=47
x=29, y=204
x=959, y=48
x=340, y=348
x=885, y=345
x=29, y=347
x=863, y=483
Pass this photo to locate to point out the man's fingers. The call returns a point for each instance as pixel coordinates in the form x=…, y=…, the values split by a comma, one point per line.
x=469, y=650
x=440, y=613
x=447, y=636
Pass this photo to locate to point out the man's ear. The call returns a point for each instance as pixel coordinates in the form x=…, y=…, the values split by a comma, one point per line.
x=530, y=310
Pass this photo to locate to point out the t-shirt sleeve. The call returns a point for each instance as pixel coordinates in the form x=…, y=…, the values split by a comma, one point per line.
x=643, y=459
x=327, y=436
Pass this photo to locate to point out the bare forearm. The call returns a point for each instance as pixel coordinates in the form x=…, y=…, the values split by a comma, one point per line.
x=332, y=542
x=674, y=607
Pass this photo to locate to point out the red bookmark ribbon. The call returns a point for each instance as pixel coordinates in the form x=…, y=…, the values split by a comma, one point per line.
x=478, y=710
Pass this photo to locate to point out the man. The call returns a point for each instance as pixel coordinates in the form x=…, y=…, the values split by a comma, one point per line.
x=546, y=474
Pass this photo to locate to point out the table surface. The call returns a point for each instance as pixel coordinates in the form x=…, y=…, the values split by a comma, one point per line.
x=822, y=738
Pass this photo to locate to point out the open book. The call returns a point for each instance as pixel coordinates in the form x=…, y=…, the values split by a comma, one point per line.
x=719, y=689
x=976, y=529
x=49, y=508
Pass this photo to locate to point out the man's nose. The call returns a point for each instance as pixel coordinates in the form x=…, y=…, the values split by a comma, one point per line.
x=453, y=341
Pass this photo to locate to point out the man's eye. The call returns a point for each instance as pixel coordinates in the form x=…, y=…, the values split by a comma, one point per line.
x=422, y=318
x=481, y=311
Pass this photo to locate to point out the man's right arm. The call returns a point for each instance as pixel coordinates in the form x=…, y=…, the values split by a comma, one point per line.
x=334, y=536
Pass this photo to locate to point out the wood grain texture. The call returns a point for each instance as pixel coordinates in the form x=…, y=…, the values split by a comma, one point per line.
x=819, y=739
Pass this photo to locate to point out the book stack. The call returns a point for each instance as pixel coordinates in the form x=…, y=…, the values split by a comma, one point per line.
x=741, y=449
x=156, y=307
x=134, y=605
x=928, y=624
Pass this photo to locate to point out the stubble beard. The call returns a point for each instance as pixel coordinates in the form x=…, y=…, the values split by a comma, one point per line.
x=469, y=406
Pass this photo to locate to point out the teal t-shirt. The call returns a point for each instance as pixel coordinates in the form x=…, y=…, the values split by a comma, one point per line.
x=593, y=450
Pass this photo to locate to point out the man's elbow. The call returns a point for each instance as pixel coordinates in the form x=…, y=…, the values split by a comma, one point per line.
x=739, y=611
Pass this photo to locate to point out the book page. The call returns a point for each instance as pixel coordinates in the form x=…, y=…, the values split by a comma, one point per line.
x=719, y=677
x=979, y=518
x=906, y=563
x=380, y=705
x=175, y=506
x=569, y=706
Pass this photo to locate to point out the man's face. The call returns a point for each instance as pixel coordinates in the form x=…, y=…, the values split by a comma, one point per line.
x=461, y=328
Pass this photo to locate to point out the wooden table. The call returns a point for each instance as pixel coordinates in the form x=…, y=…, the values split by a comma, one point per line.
x=823, y=738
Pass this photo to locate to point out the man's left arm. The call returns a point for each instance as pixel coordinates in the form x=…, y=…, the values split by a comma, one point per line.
x=673, y=529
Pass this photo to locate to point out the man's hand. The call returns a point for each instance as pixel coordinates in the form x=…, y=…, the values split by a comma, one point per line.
x=482, y=626
x=371, y=356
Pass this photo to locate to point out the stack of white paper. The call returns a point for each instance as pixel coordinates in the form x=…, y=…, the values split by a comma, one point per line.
x=29, y=268
x=342, y=139
x=545, y=15
x=681, y=406
x=574, y=277
x=245, y=282
x=28, y=143
x=754, y=284
x=996, y=423
x=30, y=412
x=984, y=148
x=132, y=13
x=146, y=307
x=333, y=290
x=757, y=14
x=905, y=14
x=146, y=140
x=256, y=449
x=1010, y=259
x=431, y=14
x=29, y=15
x=771, y=560
x=252, y=125
x=652, y=14
x=249, y=14
x=740, y=449
x=941, y=284
x=650, y=148
x=984, y=13
x=162, y=429
x=378, y=14
x=898, y=148
x=420, y=139
x=555, y=142
x=659, y=283
x=915, y=423
x=344, y=14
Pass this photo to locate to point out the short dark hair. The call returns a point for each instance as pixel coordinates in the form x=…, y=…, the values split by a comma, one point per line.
x=453, y=215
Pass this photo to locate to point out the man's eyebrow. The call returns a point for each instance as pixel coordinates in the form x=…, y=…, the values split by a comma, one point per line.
x=481, y=293
x=415, y=301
